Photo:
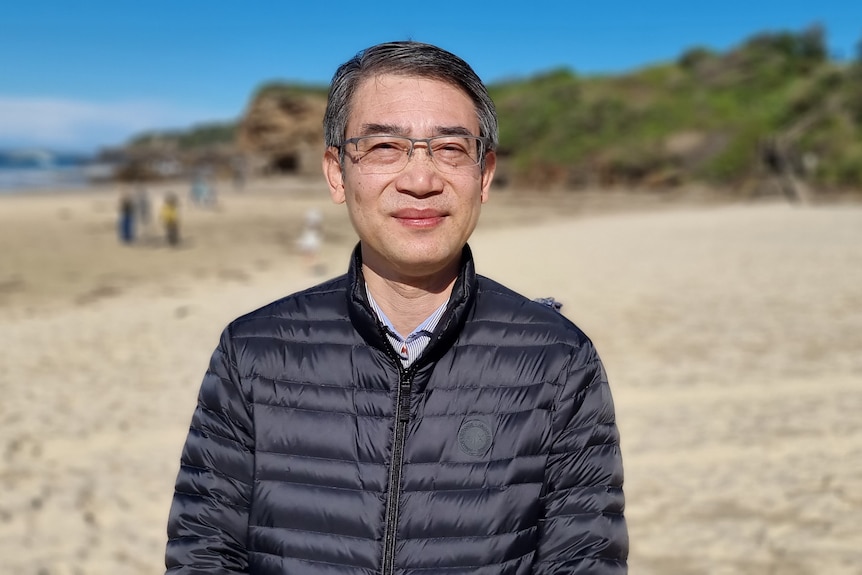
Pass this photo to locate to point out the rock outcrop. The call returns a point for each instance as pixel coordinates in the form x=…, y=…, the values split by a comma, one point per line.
x=282, y=130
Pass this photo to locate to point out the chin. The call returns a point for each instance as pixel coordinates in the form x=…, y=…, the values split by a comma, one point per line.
x=427, y=264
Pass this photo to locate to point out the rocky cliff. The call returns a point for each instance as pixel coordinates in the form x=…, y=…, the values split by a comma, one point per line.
x=282, y=130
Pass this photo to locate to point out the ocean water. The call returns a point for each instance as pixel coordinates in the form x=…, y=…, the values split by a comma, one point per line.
x=21, y=179
x=36, y=169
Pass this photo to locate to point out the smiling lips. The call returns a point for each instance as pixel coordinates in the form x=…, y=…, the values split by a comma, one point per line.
x=415, y=218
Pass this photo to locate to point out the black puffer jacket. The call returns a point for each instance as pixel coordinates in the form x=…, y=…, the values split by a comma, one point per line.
x=312, y=451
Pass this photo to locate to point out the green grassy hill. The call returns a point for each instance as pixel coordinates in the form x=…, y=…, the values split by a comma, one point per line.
x=707, y=117
x=777, y=101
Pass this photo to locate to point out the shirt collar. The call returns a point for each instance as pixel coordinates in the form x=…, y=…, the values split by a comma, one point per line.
x=426, y=327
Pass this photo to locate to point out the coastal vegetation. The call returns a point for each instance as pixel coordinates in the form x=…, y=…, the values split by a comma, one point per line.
x=776, y=103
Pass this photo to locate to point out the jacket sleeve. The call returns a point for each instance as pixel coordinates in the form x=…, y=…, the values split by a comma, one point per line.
x=208, y=521
x=583, y=530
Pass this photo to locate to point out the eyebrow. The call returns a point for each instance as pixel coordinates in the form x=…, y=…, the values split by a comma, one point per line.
x=374, y=129
x=453, y=131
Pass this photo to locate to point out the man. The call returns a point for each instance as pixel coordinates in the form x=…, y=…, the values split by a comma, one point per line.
x=410, y=416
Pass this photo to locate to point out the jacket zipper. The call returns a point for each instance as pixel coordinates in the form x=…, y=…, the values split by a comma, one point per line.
x=402, y=418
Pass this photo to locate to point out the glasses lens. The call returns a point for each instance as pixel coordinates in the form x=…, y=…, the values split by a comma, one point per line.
x=390, y=154
x=382, y=154
x=454, y=152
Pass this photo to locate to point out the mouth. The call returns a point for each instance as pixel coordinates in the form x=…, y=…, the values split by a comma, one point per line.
x=419, y=218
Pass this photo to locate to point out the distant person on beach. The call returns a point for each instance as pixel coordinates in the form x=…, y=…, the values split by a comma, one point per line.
x=170, y=216
x=126, y=220
x=410, y=416
x=201, y=192
x=310, y=240
x=143, y=209
x=239, y=169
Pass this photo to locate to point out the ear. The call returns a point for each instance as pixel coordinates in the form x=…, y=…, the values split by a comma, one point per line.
x=334, y=175
x=488, y=174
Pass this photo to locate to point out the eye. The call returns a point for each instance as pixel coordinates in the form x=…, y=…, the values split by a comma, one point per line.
x=383, y=145
x=451, y=147
x=386, y=145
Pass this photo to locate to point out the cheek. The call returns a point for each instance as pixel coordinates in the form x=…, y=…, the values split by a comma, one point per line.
x=361, y=206
x=366, y=194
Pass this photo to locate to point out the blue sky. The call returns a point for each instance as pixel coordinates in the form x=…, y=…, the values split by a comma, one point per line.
x=78, y=75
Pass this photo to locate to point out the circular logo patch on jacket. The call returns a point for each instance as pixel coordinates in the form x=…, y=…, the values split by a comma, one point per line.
x=474, y=437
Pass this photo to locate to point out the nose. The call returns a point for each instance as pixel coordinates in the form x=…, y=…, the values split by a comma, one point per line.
x=420, y=176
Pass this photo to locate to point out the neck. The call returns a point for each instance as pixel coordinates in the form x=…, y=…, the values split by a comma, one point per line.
x=407, y=302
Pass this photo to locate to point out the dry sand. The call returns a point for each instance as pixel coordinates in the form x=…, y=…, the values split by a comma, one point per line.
x=732, y=335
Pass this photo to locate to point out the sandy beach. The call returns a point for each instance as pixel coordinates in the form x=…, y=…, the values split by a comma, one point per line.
x=731, y=333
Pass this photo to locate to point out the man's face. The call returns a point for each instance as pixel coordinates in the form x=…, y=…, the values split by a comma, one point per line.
x=412, y=223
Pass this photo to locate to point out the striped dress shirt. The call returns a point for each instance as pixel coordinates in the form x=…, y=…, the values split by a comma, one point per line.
x=411, y=347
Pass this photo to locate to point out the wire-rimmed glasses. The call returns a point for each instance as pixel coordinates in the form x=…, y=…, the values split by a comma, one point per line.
x=385, y=154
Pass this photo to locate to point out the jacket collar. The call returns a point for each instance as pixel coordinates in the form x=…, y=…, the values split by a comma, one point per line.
x=460, y=302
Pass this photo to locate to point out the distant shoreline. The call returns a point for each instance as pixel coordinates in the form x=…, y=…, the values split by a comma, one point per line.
x=15, y=180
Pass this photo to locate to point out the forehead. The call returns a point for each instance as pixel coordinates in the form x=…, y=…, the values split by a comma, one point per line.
x=415, y=105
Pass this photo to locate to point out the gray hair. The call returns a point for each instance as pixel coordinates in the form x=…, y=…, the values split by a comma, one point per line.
x=406, y=58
